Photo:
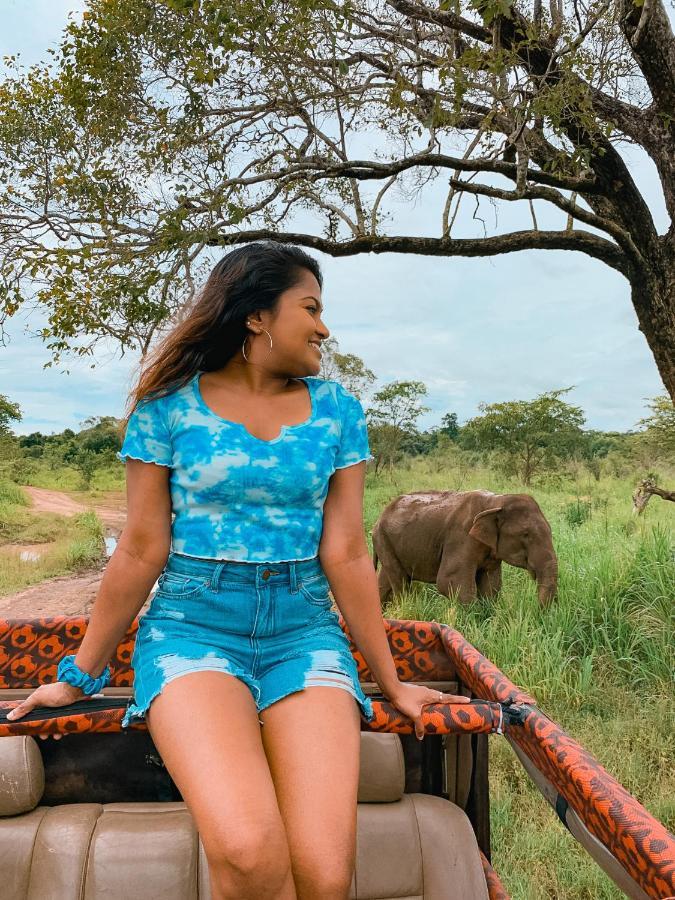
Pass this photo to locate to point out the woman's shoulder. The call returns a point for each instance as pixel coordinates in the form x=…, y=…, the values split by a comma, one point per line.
x=165, y=401
x=328, y=386
x=336, y=401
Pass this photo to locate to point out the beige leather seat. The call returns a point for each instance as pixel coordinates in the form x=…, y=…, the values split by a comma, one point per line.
x=410, y=846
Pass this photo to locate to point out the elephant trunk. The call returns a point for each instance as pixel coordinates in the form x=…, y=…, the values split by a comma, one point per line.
x=547, y=582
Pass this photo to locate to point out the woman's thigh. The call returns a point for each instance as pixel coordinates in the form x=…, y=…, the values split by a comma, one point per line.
x=206, y=729
x=312, y=742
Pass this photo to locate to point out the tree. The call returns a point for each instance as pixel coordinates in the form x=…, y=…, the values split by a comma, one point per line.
x=85, y=462
x=169, y=126
x=8, y=412
x=391, y=417
x=660, y=427
x=529, y=434
x=101, y=434
x=9, y=444
x=450, y=426
x=347, y=368
x=596, y=445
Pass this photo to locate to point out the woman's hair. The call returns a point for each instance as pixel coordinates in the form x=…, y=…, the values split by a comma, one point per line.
x=246, y=279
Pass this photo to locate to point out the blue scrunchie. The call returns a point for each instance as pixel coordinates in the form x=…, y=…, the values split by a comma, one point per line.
x=72, y=674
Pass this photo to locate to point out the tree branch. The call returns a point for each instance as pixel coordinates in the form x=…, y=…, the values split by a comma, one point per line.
x=651, y=39
x=534, y=193
x=583, y=241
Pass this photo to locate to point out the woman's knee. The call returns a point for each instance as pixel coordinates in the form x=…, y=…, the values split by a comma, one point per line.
x=329, y=879
x=255, y=856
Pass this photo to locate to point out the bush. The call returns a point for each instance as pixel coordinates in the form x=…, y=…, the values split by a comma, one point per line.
x=578, y=512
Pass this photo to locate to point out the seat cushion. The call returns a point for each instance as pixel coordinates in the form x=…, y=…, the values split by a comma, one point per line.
x=420, y=847
x=417, y=847
x=408, y=845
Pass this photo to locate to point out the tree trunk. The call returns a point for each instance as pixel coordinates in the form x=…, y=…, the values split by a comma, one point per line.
x=653, y=295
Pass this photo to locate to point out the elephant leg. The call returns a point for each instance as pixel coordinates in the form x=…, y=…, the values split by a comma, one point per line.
x=489, y=582
x=463, y=583
x=384, y=587
x=392, y=577
x=398, y=581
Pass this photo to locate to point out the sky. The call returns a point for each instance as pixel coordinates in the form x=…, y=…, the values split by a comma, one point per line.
x=473, y=330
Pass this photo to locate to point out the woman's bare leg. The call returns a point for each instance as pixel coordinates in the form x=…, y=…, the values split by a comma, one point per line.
x=206, y=729
x=312, y=741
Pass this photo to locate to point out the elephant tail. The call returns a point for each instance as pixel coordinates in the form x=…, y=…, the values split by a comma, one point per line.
x=375, y=559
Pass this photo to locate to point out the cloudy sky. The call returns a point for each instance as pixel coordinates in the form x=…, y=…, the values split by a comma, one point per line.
x=472, y=330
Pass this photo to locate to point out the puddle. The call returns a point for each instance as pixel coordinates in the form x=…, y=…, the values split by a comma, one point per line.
x=29, y=556
x=25, y=553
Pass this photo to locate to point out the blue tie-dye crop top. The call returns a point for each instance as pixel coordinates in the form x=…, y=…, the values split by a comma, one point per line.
x=236, y=496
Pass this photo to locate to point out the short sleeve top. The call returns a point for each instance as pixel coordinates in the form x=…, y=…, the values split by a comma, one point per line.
x=238, y=497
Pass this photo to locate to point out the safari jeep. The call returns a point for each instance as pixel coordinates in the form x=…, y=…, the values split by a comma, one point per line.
x=97, y=816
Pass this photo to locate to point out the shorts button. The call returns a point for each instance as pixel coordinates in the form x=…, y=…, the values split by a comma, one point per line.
x=266, y=574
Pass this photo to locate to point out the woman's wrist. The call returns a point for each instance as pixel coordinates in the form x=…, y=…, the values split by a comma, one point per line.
x=391, y=690
x=69, y=671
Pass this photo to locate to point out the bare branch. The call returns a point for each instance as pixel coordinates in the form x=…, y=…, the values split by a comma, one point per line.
x=495, y=245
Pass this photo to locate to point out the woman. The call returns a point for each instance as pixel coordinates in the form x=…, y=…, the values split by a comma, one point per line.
x=238, y=657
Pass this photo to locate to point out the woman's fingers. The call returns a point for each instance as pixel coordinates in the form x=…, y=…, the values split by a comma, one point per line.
x=24, y=707
x=444, y=698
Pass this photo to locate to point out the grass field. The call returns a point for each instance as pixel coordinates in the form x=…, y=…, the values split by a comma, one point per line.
x=600, y=661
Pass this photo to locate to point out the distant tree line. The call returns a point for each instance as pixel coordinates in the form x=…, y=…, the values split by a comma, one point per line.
x=85, y=451
x=522, y=438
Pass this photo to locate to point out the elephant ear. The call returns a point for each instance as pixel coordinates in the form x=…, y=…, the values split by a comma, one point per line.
x=484, y=527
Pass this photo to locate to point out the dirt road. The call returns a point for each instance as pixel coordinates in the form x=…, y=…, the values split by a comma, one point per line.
x=67, y=595
x=112, y=515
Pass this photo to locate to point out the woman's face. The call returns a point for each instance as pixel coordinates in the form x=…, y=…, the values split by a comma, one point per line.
x=296, y=328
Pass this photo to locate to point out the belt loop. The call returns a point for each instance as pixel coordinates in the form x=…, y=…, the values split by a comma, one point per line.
x=293, y=577
x=213, y=584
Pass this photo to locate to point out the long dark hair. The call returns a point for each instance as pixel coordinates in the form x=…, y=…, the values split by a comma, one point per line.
x=246, y=279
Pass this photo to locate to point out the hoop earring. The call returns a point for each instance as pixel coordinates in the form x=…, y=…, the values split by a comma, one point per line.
x=243, y=346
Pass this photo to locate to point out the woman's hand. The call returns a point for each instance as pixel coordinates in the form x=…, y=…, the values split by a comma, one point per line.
x=59, y=693
x=411, y=699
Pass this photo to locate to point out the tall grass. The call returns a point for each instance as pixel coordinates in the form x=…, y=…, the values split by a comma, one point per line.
x=600, y=660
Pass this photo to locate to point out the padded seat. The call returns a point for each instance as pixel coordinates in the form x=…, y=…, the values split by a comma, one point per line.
x=409, y=846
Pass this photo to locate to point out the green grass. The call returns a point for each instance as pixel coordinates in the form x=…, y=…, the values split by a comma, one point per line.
x=66, y=543
x=600, y=661
x=65, y=478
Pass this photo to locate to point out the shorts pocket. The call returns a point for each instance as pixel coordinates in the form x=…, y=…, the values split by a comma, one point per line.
x=316, y=591
x=176, y=584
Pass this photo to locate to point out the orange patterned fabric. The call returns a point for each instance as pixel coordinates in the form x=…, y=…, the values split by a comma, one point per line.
x=496, y=890
x=30, y=650
x=636, y=839
x=440, y=718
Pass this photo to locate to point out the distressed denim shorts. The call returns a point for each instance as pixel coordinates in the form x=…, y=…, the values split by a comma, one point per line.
x=269, y=624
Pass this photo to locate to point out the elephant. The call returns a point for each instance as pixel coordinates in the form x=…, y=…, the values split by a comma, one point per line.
x=459, y=539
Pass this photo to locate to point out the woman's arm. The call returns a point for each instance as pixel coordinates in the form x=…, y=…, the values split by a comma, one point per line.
x=344, y=556
x=353, y=582
x=139, y=557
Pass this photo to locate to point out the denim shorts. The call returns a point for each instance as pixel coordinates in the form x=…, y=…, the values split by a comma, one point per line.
x=271, y=625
